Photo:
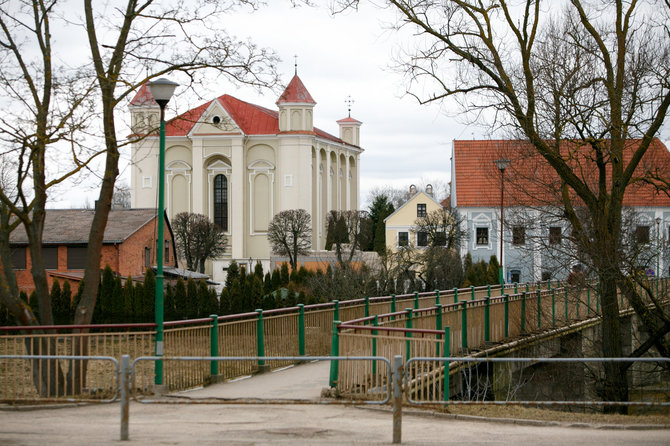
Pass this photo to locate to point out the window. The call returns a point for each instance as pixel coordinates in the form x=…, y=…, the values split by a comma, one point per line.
x=221, y=201
x=518, y=235
x=482, y=236
x=421, y=210
x=19, y=257
x=421, y=238
x=515, y=276
x=642, y=234
x=50, y=256
x=167, y=252
x=546, y=276
x=403, y=238
x=440, y=239
x=147, y=257
x=555, y=235
x=76, y=257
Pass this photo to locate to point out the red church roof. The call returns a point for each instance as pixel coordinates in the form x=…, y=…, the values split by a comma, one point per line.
x=144, y=98
x=295, y=92
x=250, y=118
x=530, y=181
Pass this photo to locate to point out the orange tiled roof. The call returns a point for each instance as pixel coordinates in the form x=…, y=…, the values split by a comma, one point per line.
x=530, y=181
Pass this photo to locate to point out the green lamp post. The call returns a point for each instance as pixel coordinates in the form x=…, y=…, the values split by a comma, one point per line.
x=162, y=90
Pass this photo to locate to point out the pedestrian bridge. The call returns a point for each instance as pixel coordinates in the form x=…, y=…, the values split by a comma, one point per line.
x=475, y=322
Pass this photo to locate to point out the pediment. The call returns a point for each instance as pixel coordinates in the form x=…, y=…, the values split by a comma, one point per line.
x=261, y=165
x=215, y=120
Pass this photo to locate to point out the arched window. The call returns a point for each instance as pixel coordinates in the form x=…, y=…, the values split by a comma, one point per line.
x=221, y=201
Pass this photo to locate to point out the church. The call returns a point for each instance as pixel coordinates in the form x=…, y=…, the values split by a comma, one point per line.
x=240, y=164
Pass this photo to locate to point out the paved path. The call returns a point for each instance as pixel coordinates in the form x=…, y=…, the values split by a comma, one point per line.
x=312, y=424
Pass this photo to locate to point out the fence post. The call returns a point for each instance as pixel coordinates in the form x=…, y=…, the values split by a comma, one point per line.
x=539, y=309
x=549, y=284
x=260, y=344
x=392, y=306
x=367, y=308
x=507, y=315
x=516, y=287
x=527, y=287
x=336, y=310
x=487, y=319
x=301, y=329
x=438, y=323
x=523, y=312
x=447, y=353
x=464, y=325
x=488, y=290
x=416, y=300
x=472, y=290
x=397, y=399
x=438, y=317
x=124, y=381
x=334, y=351
x=455, y=295
x=437, y=297
x=375, y=323
x=408, y=334
x=214, y=345
x=553, y=308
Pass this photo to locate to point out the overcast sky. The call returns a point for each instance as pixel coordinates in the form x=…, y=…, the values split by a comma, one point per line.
x=350, y=55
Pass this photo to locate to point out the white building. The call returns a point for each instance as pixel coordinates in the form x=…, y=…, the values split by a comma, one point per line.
x=535, y=236
x=240, y=164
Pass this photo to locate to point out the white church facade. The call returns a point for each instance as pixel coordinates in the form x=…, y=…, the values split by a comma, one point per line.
x=240, y=164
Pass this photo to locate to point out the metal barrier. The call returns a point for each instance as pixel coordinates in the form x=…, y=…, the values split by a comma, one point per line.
x=52, y=382
x=127, y=374
x=462, y=361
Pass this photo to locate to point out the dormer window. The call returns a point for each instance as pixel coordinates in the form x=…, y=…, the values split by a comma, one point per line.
x=216, y=119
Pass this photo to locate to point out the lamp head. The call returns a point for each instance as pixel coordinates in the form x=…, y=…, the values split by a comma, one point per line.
x=658, y=220
x=162, y=90
x=502, y=164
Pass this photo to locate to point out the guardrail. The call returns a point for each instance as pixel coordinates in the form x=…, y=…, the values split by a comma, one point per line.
x=101, y=385
x=468, y=325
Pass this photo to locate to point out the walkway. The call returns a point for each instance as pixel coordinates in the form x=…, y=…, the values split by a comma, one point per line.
x=206, y=424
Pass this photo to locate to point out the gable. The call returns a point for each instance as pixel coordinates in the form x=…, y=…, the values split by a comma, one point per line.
x=406, y=214
x=215, y=121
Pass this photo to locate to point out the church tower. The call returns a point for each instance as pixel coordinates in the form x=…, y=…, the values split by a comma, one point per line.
x=144, y=112
x=296, y=108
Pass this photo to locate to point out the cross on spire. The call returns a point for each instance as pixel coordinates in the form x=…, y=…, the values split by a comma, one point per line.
x=296, y=64
x=349, y=103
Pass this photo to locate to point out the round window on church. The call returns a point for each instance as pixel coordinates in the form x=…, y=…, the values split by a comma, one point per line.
x=216, y=119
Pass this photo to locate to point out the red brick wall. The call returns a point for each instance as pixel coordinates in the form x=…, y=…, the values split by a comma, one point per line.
x=127, y=258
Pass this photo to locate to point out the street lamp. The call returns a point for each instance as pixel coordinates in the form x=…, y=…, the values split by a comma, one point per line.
x=162, y=90
x=502, y=164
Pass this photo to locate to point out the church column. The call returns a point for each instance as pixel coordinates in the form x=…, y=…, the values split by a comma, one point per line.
x=316, y=209
x=197, y=197
x=346, y=201
x=357, y=179
x=329, y=184
x=237, y=200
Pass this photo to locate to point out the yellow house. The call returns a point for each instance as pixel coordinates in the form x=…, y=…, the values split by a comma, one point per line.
x=399, y=225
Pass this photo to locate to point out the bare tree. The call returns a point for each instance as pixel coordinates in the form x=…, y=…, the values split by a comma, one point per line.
x=56, y=105
x=349, y=231
x=442, y=227
x=594, y=75
x=198, y=239
x=290, y=234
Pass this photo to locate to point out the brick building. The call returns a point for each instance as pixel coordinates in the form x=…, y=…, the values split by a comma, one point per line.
x=129, y=245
